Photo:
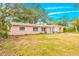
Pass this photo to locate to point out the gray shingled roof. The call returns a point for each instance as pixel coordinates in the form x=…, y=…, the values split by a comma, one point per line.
x=27, y=24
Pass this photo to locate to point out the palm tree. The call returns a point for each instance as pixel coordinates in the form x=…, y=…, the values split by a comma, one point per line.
x=75, y=24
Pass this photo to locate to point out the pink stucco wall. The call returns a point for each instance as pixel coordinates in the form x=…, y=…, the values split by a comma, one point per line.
x=15, y=31
x=29, y=30
x=62, y=29
x=48, y=30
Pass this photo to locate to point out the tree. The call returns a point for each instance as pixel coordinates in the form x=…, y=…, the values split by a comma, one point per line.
x=75, y=24
x=42, y=14
x=64, y=20
x=29, y=13
x=4, y=24
x=24, y=14
x=56, y=23
x=76, y=5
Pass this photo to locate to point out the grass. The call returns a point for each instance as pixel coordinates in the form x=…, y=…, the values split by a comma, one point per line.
x=63, y=44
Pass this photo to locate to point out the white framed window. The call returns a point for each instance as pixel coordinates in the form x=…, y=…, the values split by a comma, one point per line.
x=35, y=29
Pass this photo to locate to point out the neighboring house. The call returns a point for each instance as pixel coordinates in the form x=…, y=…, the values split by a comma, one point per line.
x=23, y=28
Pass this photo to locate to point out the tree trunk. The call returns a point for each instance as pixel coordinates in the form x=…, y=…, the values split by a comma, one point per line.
x=76, y=30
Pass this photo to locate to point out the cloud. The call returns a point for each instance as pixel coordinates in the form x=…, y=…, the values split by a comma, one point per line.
x=53, y=13
x=56, y=7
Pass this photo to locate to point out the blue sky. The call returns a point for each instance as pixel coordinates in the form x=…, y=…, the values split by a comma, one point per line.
x=58, y=10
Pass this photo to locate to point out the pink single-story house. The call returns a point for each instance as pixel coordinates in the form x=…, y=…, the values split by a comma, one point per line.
x=23, y=28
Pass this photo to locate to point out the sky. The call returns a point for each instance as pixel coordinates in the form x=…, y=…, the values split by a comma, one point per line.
x=58, y=10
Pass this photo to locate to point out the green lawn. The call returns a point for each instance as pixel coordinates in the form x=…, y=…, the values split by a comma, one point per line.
x=41, y=45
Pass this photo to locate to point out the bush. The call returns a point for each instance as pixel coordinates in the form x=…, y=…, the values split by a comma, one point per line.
x=5, y=28
x=69, y=29
x=3, y=34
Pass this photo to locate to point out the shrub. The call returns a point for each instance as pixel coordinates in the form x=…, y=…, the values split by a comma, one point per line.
x=3, y=34
x=4, y=30
x=69, y=29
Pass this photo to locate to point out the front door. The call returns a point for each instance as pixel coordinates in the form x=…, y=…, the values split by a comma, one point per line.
x=43, y=30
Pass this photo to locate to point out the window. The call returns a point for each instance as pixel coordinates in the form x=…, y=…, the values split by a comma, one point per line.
x=22, y=28
x=35, y=29
x=43, y=29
